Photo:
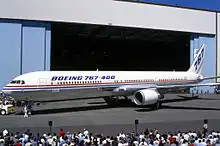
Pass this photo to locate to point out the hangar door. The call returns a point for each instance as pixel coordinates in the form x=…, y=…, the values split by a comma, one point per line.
x=92, y=47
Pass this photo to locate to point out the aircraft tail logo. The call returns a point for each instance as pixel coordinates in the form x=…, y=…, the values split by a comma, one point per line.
x=196, y=66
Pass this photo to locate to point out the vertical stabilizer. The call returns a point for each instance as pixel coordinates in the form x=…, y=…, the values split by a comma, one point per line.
x=196, y=66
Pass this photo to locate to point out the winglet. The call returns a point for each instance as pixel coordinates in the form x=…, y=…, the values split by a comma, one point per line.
x=198, y=61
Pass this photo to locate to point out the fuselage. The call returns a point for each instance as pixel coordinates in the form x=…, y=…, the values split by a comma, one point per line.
x=71, y=84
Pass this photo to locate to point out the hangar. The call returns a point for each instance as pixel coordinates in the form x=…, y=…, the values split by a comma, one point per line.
x=104, y=35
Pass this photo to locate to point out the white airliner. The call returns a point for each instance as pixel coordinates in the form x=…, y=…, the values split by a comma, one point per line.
x=142, y=87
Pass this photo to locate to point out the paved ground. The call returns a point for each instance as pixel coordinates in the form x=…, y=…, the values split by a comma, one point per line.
x=177, y=113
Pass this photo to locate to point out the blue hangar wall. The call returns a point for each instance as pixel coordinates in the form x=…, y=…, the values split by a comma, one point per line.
x=209, y=65
x=25, y=47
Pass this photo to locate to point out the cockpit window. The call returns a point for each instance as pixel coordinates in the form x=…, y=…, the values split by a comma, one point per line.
x=17, y=82
x=13, y=82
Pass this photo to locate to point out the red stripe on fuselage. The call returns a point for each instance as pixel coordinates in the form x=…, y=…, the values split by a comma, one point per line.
x=113, y=83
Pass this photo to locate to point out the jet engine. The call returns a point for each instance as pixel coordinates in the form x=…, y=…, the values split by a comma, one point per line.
x=146, y=97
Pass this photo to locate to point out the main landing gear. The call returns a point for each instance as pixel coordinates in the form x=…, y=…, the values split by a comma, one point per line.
x=116, y=100
x=157, y=105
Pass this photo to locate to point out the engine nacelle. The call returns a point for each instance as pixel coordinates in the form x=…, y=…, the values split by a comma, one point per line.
x=146, y=97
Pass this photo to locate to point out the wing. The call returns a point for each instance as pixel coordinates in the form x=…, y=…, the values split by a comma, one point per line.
x=133, y=88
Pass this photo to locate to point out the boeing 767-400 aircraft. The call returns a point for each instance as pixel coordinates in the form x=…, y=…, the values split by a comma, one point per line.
x=141, y=87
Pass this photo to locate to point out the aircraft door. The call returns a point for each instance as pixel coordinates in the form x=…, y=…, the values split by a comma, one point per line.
x=43, y=81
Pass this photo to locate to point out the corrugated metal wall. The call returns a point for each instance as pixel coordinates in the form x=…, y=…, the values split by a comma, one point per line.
x=25, y=47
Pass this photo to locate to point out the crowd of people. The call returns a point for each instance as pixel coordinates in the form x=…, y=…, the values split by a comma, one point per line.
x=85, y=138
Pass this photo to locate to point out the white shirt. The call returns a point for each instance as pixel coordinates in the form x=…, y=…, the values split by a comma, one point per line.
x=28, y=144
x=122, y=135
x=176, y=137
x=141, y=143
x=86, y=132
x=5, y=132
x=120, y=144
x=158, y=136
x=54, y=137
x=186, y=137
x=141, y=136
x=50, y=141
x=26, y=136
x=136, y=143
x=53, y=143
x=42, y=140
x=104, y=141
x=203, y=144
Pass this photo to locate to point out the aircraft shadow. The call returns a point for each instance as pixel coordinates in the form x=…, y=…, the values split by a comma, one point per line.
x=202, y=98
x=181, y=107
x=68, y=109
x=75, y=99
x=188, y=96
x=99, y=107
x=121, y=105
x=79, y=109
x=100, y=102
x=179, y=100
x=199, y=97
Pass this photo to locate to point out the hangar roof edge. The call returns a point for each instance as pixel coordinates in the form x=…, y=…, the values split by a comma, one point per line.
x=177, y=6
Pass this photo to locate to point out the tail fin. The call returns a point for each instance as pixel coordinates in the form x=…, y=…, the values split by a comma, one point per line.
x=196, y=66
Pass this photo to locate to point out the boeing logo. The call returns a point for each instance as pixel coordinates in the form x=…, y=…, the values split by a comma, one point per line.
x=64, y=78
x=61, y=78
x=198, y=61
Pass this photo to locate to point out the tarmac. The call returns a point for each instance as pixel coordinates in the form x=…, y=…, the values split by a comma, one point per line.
x=178, y=112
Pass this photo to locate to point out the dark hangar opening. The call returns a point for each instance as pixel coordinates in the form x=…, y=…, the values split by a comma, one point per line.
x=92, y=47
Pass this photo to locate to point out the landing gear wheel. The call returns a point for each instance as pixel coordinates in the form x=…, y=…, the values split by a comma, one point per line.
x=3, y=112
x=111, y=101
x=126, y=100
x=157, y=105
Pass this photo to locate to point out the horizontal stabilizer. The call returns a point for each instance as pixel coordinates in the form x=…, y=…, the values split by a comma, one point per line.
x=211, y=77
